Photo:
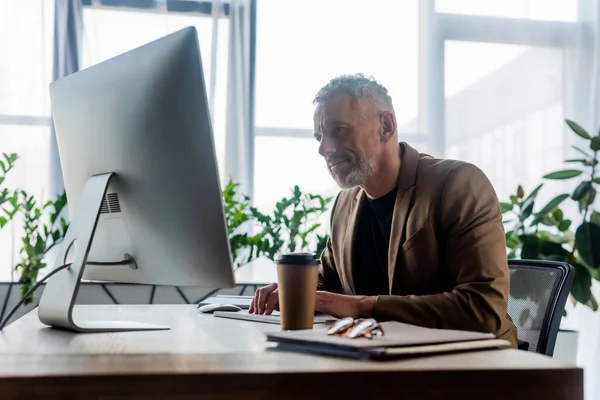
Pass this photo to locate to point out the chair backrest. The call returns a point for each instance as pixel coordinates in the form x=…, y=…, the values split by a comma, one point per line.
x=538, y=293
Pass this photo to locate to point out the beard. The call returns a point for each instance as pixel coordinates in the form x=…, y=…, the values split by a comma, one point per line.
x=361, y=169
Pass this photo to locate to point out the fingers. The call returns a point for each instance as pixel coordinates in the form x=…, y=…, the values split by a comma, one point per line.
x=251, y=308
x=260, y=298
x=272, y=302
x=263, y=294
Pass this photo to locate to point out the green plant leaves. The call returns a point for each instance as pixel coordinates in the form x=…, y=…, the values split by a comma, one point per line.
x=527, y=208
x=564, y=225
x=531, y=247
x=581, y=151
x=587, y=239
x=529, y=238
x=595, y=218
x=581, y=289
x=534, y=192
x=586, y=162
x=505, y=207
x=548, y=220
x=585, y=201
x=292, y=225
x=564, y=174
x=534, y=248
x=592, y=303
x=39, y=236
x=553, y=250
x=581, y=190
x=578, y=129
x=512, y=242
x=6, y=164
x=321, y=244
x=558, y=214
x=552, y=204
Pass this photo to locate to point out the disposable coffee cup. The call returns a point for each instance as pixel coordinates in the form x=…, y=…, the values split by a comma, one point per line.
x=297, y=275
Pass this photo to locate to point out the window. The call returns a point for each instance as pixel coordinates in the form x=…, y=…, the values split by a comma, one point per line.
x=26, y=40
x=110, y=32
x=282, y=162
x=300, y=47
x=504, y=113
x=504, y=109
x=552, y=10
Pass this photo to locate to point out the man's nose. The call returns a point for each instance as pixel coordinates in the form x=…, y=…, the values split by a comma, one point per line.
x=326, y=147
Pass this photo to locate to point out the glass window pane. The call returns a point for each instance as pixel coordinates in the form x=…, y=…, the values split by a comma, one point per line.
x=297, y=55
x=111, y=32
x=504, y=111
x=32, y=144
x=26, y=47
x=489, y=59
x=551, y=10
x=281, y=163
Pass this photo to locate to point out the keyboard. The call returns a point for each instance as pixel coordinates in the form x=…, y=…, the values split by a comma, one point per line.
x=269, y=319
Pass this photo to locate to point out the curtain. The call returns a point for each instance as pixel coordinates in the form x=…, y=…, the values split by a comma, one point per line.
x=67, y=40
x=239, y=140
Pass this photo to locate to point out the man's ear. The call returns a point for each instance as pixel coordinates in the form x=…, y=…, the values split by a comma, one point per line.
x=388, y=126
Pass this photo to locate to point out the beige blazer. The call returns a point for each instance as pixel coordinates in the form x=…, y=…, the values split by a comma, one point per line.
x=447, y=257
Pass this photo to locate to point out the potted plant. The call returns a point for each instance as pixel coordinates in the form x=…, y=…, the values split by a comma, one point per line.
x=293, y=225
x=548, y=235
x=39, y=236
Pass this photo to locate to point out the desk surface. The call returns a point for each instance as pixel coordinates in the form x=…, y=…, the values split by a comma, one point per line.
x=208, y=357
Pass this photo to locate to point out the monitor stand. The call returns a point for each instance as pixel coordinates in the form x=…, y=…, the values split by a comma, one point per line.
x=60, y=293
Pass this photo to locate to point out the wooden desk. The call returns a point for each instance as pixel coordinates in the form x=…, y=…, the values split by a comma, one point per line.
x=204, y=357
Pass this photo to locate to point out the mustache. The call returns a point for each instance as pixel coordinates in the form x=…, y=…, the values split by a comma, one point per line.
x=336, y=158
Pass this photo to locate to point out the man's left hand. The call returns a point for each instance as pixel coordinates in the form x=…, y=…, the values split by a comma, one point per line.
x=341, y=305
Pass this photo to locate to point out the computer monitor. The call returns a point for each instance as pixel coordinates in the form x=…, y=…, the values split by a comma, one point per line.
x=140, y=172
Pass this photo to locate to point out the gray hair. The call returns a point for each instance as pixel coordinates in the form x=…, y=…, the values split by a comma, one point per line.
x=358, y=86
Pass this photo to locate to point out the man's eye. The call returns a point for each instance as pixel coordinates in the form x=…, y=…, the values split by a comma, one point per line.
x=339, y=129
x=319, y=138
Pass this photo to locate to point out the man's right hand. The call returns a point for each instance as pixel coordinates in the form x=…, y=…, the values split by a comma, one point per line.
x=265, y=300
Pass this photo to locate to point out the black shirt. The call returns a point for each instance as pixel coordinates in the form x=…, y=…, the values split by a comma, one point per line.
x=372, y=245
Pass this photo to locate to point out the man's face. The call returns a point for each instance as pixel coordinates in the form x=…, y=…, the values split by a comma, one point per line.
x=348, y=139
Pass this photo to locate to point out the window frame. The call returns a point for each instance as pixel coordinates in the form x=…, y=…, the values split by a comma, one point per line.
x=414, y=138
x=443, y=27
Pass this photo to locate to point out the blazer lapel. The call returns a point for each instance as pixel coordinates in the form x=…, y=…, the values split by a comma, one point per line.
x=406, y=186
x=349, y=242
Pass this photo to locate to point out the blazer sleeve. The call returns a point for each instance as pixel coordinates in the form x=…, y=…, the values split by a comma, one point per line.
x=329, y=279
x=472, y=243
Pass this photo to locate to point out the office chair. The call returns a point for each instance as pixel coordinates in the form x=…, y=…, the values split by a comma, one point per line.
x=538, y=293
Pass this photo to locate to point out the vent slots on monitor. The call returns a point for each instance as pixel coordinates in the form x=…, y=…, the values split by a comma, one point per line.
x=110, y=204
